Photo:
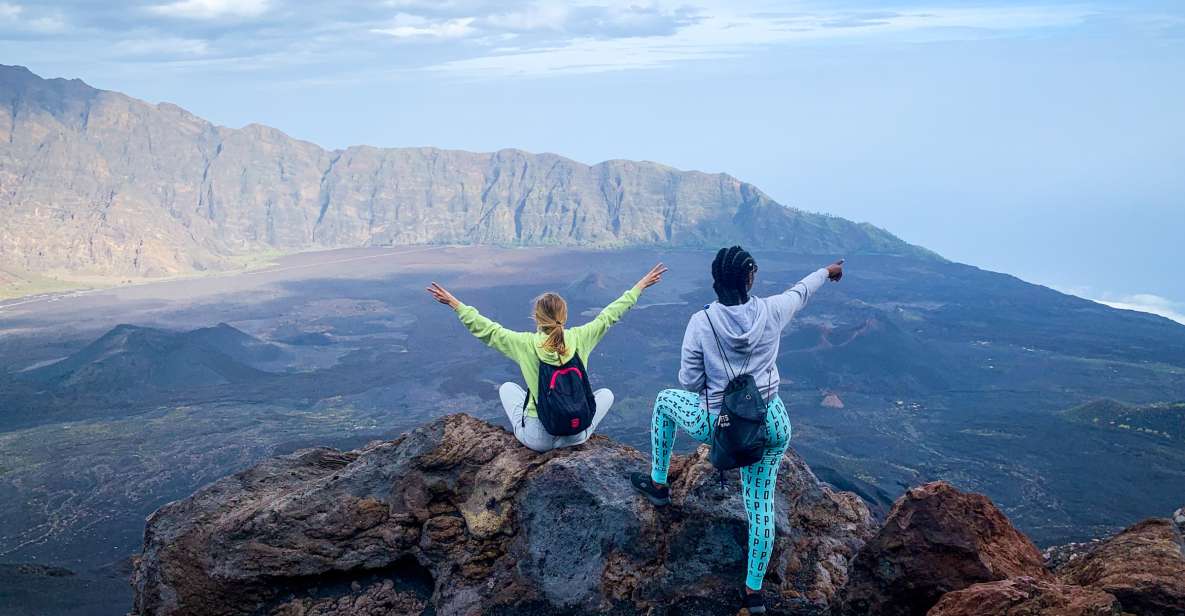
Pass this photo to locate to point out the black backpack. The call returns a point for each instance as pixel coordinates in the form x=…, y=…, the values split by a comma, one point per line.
x=739, y=438
x=565, y=404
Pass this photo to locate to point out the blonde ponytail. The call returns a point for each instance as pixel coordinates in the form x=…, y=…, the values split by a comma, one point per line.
x=551, y=311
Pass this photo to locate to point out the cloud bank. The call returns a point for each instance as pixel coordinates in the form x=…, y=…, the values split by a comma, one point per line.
x=493, y=39
x=1152, y=304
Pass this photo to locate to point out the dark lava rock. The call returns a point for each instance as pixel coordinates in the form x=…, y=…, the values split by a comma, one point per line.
x=1143, y=566
x=458, y=518
x=1026, y=596
x=935, y=540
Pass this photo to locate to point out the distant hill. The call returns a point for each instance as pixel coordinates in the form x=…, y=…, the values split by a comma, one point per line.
x=1165, y=419
x=98, y=182
x=877, y=355
x=130, y=357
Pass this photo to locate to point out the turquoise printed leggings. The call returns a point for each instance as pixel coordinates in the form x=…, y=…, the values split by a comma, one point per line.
x=676, y=407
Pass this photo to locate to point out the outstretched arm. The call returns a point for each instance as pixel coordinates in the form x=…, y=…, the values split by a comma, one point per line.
x=789, y=302
x=508, y=342
x=598, y=327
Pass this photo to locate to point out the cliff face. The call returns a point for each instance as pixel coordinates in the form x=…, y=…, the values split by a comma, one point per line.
x=96, y=181
x=457, y=516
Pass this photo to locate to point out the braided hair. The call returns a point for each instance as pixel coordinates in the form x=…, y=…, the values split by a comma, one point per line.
x=732, y=271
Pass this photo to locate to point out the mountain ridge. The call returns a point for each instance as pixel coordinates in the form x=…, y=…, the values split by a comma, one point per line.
x=97, y=182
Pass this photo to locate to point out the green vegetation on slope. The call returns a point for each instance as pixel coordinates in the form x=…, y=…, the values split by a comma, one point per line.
x=1162, y=419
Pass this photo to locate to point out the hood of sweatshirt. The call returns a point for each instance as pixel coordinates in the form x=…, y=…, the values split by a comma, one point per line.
x=740, y=327
x=545, y=355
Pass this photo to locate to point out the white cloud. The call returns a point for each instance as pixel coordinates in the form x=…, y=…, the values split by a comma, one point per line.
x=724, y=32
x=9, y=11
x=537, y=17
x=413, y=26
x=1147, y=302
x=163, y=47
x=17, y=16
x=212, y=9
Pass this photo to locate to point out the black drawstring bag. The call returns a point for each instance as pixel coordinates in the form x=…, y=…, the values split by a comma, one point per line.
x=739, y=438
x=565, y=404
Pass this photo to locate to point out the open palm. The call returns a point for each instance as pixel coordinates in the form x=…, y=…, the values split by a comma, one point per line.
x=442, y=295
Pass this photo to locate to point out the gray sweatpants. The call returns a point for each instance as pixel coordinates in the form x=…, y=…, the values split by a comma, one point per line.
x=531, y=433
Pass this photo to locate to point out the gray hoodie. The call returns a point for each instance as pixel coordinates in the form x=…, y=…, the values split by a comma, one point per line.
x=752, y=329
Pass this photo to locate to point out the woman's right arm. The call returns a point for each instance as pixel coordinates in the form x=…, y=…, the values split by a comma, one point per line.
x=691, y=360
x=509, y=343
x=789, y=302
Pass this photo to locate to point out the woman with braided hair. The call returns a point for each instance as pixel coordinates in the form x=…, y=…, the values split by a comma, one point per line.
x=733, y=336
x=553, y=345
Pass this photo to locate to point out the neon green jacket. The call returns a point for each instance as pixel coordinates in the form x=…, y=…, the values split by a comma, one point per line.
x=524, y=349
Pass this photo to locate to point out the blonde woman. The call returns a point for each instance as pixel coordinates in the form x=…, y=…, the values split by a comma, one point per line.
x=558, y=408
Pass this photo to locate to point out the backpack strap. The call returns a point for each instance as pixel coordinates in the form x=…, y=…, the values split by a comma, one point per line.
x=526, y=399
x=723, y=356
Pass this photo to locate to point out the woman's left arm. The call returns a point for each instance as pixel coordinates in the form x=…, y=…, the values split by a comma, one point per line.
x=611, y=314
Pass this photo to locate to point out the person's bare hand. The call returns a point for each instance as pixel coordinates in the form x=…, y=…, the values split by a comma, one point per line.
x=442, y=295
x=835, y=271
x=653, y=277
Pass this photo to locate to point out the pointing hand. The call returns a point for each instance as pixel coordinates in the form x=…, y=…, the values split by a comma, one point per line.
x=835, y=271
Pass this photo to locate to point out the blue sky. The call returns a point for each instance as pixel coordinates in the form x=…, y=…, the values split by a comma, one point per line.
x=1044, y=139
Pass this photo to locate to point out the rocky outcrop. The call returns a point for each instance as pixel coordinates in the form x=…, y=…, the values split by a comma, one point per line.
x=458, y=518
x=1026, y=596
x=831, y=401
x=1143, y=566
x=96, y=181
x=935, y=540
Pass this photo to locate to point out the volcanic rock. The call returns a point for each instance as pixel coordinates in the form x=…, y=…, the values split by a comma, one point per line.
x=1143, y=566
x=935, y=540
x=1026, y=596
x=831, y=401
x=458, y=518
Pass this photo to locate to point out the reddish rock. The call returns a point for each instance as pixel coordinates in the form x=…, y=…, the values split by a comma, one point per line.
x=458, y=519
x=831, y=401
x=1026, y=596
x=1144, y=567
x=936, y=540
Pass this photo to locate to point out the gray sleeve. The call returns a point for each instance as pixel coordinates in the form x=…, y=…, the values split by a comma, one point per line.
x=786, y=304
x=691, y=359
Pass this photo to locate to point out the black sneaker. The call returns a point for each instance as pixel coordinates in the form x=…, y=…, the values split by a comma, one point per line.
x=659, y=495
x=754, y=603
